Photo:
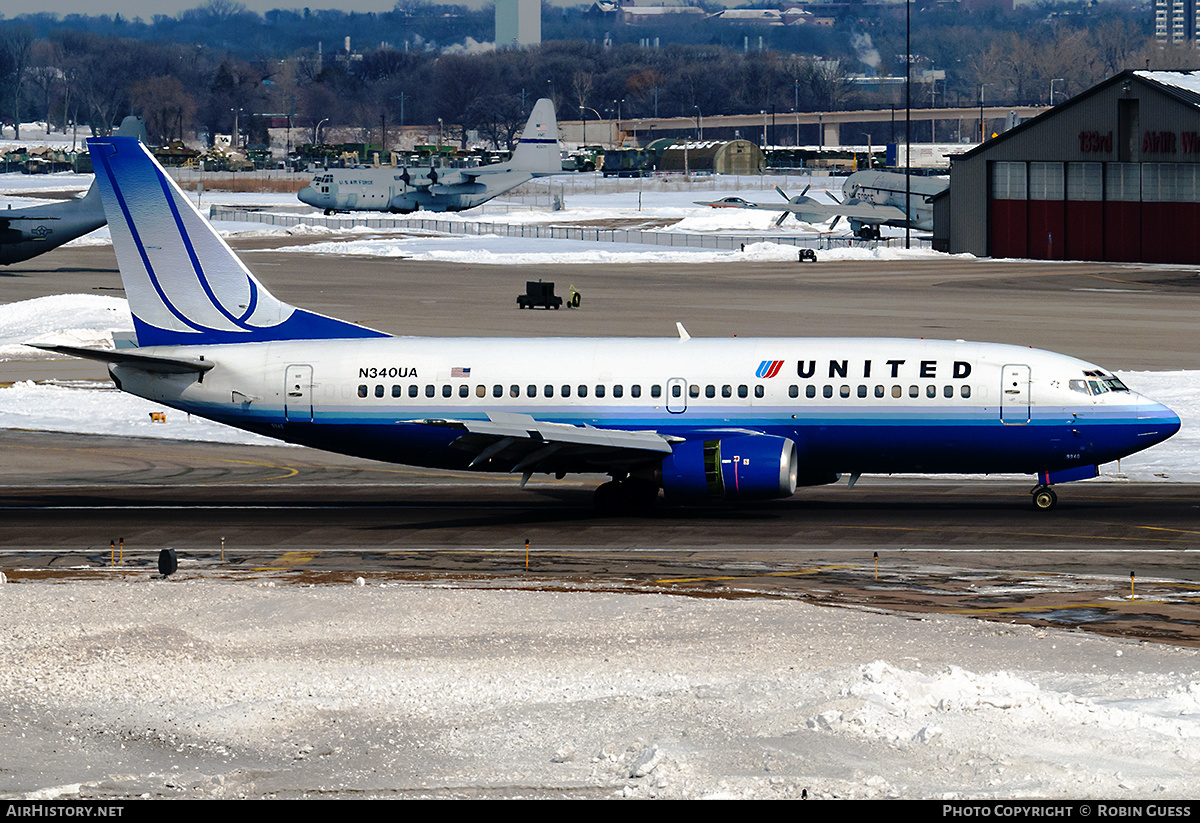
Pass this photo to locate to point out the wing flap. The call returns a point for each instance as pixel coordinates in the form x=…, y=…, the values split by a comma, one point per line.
x=521, y=443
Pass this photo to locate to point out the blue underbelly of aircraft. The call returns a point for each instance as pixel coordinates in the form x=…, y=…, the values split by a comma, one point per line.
x=971, y=441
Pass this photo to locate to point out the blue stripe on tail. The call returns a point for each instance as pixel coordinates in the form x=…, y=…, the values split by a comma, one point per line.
x=184, y=284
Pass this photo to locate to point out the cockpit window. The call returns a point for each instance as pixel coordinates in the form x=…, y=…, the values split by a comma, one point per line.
x=1098, y=383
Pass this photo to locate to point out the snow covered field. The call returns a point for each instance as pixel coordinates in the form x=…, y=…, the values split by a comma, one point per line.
x=205, y=687
x=202, y=688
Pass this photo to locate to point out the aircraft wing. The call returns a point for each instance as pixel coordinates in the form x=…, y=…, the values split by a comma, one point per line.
x=811, y=210
x=521, y=443
x=862, y=212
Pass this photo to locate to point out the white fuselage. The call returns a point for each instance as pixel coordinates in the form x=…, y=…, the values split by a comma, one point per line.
x=850, y=405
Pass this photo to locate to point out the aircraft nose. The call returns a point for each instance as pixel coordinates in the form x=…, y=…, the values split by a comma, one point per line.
x=307, y=195
x=1160, y=422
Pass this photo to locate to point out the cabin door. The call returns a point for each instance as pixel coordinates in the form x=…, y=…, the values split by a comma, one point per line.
x=1014, y=394
x=297, y=394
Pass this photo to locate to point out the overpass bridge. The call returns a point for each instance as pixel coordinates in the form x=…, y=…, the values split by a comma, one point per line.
x=798, y=128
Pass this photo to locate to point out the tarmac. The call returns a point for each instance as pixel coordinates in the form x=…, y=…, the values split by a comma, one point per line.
x=959, y=544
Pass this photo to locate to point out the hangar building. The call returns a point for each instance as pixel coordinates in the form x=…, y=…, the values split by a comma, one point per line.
x=1112, y=174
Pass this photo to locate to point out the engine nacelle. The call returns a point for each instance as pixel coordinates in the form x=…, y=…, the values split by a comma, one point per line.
x=741, y=467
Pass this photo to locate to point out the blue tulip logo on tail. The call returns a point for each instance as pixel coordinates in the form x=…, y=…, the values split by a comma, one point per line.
x=184, y=284
x=768, y=368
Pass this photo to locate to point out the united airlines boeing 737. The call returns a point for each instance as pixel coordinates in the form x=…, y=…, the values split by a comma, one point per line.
x=702, y=420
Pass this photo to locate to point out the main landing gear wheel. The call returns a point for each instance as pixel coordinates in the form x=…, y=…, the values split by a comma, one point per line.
x=1044, y=498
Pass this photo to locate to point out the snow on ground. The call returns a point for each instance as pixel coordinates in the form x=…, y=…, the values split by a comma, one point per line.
x=201, y=687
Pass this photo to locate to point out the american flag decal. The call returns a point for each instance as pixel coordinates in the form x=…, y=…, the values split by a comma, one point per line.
x=768, y=368
x=458, y=371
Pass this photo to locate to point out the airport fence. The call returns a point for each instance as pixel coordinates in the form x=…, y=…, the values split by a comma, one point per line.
x=660, y=237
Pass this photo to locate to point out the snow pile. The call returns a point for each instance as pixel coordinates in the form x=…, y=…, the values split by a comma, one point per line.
x=369, y=690
x=66, y=320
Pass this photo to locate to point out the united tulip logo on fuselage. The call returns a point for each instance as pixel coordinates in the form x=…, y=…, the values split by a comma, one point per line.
x=768, y=368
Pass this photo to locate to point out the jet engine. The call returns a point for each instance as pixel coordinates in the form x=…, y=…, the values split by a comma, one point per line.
x=740, y=467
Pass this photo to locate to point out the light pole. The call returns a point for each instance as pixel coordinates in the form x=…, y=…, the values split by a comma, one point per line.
x=1052, y=82
x=593, y=111
x=236, y=114
x=699, y=123
x=317, y=132
x=982, y=129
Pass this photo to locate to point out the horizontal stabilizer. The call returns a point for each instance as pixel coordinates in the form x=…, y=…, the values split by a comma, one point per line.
x=145, y=362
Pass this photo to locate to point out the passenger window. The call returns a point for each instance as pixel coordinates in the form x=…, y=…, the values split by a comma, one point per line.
x=827, y=391
x=481, y=391
x=759, y=391
x=727, y=391
x=599, y=389
x=566, y=391
x=931, y=391
x=531, y=391
x=694, y=390
x=635, y=390
x=879, y=392
x=379, y=391
x=362, y=391
x=464, y=390
x=430, y=389
x=514, y=391
x=710, y=391
x=742, y=391
x=447, y=390
x=547, y=391
x=793, y=391
x=810, y=391
x=676, y=391
x=897, y=391
x=656, y=390
x=964, y=391
x=413, y=391
x=618, y=390
x=395, y=391
x=914, y=391
x=844, y=391
x=948, y=391
x=497, y=390
x=583, y=391
x=862, y=391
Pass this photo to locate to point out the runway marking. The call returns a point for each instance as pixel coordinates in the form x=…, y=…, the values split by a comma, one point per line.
x=1029, y=609
x=797, y=573
x=1046, y=535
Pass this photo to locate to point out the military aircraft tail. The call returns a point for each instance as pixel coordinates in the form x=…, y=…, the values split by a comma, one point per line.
x=538, y=151
x=184, y=284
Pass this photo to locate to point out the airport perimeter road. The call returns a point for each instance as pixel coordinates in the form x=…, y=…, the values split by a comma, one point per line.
x=1119, y=316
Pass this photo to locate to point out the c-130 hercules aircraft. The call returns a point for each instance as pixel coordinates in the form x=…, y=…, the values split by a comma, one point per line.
x=26, y=233
x=702, y=420
x=406, y=190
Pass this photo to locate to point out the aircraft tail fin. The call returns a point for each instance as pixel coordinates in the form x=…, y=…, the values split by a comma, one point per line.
x=538, y=151
x=184, y=284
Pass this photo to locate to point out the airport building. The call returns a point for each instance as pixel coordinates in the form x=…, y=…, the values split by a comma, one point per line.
x=1112, y=174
